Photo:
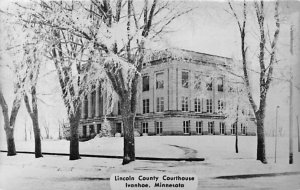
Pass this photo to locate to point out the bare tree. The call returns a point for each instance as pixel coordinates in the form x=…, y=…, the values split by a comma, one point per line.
x=266, y=66
x=10, y=119
x=60, y=125
x=34, y=69
x=25, y=132
x=47, y=130
x=114, y=37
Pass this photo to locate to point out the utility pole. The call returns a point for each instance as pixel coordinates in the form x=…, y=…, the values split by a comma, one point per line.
x=236, y=130
x=298, y=134
x=276, y=132
x=291, y=101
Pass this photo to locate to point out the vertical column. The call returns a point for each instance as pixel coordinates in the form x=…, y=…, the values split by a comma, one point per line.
x=191, y=96
x=90, y=105
x=153, y=92
x=97, y=112
x=104, y=103
x=177, y=99
x=214, y=90
x=83, y=108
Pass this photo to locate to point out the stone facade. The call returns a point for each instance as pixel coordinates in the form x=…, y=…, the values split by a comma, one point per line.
x=182, y=96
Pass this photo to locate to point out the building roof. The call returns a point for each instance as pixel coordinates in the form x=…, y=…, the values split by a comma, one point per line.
x=188, y=55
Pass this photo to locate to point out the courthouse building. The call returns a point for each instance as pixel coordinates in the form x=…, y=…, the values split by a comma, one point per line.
x=181, y=93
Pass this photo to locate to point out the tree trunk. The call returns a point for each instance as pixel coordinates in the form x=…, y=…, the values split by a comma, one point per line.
x=37, y=137
x=236, y=130
x=35, y=121
x=74, y=137
x=236, y=139
x=9, y=123
x=261, y=154
x=25, y=132
x=129, y=150
x=128, y=129
x=11, y=148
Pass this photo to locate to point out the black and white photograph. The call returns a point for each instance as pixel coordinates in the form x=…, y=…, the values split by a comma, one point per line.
x=149, y=94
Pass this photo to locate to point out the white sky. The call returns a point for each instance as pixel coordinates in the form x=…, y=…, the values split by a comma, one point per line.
x=208, y=29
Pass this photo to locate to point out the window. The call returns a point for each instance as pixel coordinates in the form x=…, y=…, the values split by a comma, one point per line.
x=93, y=98
x=220, y=106
x=92, y=130
x=186, y=127
x=158, y=127
x=145, y=83
x=185, y=103
x=220, y=84
x=160, y=104
x=119, y=108
x=197, y=81
x=232, y=129
x=209, y=84
x=86, y=106
x=211, y=127
x=159, y=80
x=145, y=127
x=243, y=129
x=197, y=105
x=84, y=130
x=199, y=127
x=98, y=128
x=146, y=106
x=185, y=79
x=209, y=105
x=222, y=128
x=118, y=127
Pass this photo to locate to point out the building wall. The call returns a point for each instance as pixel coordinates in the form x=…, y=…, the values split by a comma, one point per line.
x=173, y=91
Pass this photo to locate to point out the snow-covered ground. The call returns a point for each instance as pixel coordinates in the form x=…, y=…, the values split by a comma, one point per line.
x=57, y=172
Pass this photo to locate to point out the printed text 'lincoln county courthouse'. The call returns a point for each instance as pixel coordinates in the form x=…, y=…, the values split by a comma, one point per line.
x=183, y=96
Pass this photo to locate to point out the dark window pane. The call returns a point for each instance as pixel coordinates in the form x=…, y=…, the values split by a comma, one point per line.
x=159, y=80
x=185, y=79
x=146, y=83
x=220, y=84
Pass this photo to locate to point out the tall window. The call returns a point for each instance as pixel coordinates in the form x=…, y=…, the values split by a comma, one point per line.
x=158, y=127
x=186, y=127
x=222, y=128
x=86, y=106
x=197, y=81
x=119, y=127
x=146, y=106
x=220, y=106
x=220, y=83
x=198, y=105
x=93, y=94
x=98, y=128
x=243, y=129
x=84, y=130
x=233, y=128
x=209, y=83
x=145, y=83
x=185, y=79
x=209, y=105
x=92, y=130
x=184, y=103
x=119, y=108
x=160, y=104
x=145, y=127
x=199, y=127
x=211, y=127
x=159, y=80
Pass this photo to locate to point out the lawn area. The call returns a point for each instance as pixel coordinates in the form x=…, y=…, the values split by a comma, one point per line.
x=25, y=172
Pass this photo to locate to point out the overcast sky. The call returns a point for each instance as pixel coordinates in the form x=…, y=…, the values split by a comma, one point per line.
x=208, y=29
